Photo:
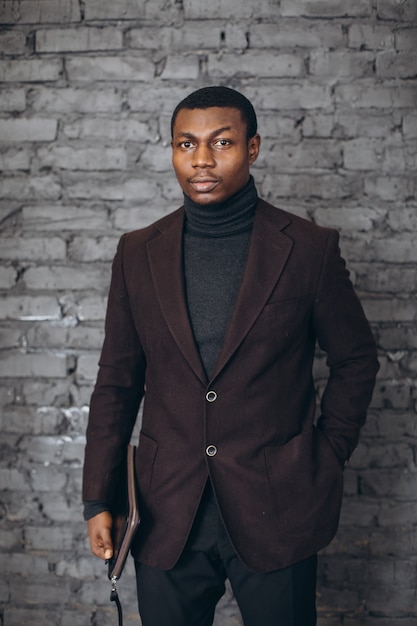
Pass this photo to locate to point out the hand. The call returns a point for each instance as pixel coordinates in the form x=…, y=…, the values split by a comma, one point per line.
x=99, y=534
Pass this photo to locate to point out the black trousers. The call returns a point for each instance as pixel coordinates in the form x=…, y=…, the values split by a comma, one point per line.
x=187, y=594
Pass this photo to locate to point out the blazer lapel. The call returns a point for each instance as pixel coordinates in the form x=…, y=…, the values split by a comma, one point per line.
x=268, y=253
x=165, y=258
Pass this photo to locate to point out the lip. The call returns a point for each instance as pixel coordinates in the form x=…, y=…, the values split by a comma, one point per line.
x=203, y=185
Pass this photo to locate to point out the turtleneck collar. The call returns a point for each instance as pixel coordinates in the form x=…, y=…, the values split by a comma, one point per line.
x=220, y=219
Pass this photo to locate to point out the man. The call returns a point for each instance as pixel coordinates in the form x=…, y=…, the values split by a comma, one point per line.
x=213, y=316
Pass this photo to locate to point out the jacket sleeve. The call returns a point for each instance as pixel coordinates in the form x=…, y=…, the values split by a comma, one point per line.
x=344, y=334
x=117, y=394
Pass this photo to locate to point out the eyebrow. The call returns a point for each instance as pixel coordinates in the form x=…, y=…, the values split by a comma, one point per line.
x=213, y=134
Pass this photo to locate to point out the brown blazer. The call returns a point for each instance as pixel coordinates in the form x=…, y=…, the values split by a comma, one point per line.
x=277, y=476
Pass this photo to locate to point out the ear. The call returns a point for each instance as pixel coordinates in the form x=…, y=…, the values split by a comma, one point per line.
x=254, y=145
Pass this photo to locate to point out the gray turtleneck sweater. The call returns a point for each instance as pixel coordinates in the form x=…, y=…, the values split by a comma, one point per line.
x=216, y=242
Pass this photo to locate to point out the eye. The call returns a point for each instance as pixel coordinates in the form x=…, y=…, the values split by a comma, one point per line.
x=185, y=145
x=222, y=142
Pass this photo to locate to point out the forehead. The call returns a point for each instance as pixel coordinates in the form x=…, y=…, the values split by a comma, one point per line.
x=206, y=120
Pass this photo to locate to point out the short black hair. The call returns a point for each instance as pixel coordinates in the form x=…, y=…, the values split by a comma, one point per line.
x=208, y=97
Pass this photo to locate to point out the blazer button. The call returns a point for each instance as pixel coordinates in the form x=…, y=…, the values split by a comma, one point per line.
x=211, y=450
x=211, y=396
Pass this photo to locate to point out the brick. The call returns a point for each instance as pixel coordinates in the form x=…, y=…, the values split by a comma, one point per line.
x=12, y=42
x=217, y=9
x=63, y=218
x=29, y=308
x=79, y=337
x=397, y=514
x=88, y=249
x=410, y=125
x=189, y=36
x=392, y=394
x=326, y=186
x=87, y=308
x=399, y=338
x=269, y=65
x=133, y=218
x=16, y=616
x=28, y=420
x=87, y=367
x=352, y=125
x=364, y=571
x=286, y=34
x=400, y=158
x=32, y=365
x=361, y=94
x=317, y=125
x=380, y=621
x=153, y=100
x=13, y=100
x=356, y=513
x=341, y=64
x=309, y=154
x=279, y=127
x=63, y=278
x=363, y=154
x=105, y=68
x=14, y=159
x=57, y=393
x=90, y=159
x=235, y=37
x=13, y=479
x=33, y=592
x=27, y=188
x=356, y=219
x=392, y=64
x=157, y=158
x=107, y=10
x=396, y=424
x=388, y=279
x=42, y=449
x=132, y=189
x=28, y=129
x=49, y=479
x=80, y=568
x=41, y=249
x=392, y=188
x=30, y=70
x=18, y=563
x=72, y=100
x=10, y=539
x=117, y=130
x=40, y=11
x=398, y=310
x=400, y=11
x=180, y=68
x=404, y=219
x=385, y=455
x=78, y=39
x=325, y=8
x=11, y=338
x=290, y=96
x=370, y=37
x=405, y=38
x=402, y=601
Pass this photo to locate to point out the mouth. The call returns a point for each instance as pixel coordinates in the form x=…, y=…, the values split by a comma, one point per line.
x=203, y=184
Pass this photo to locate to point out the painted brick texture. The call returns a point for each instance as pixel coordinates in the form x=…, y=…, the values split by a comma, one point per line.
x=88, y=87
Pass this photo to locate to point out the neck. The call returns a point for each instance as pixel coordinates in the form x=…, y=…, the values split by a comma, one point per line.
x=219, y=219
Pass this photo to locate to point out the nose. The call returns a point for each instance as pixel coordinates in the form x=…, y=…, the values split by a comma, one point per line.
x=202, y=156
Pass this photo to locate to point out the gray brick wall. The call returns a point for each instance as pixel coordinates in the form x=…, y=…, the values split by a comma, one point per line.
x=87, y=91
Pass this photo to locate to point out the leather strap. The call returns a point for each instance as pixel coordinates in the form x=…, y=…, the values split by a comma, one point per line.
x=114, y=597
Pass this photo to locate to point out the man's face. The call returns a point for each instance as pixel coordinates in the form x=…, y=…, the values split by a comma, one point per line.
x=211, y=153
